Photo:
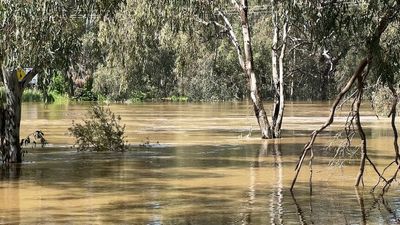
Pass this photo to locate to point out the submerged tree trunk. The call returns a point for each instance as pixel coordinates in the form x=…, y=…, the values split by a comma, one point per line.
x=278, y=71
x=279, y=118
x=259, y=110
x=275, y=75
x=13, y=116
x=12, y=112
x=70, y=80
x=246, y=61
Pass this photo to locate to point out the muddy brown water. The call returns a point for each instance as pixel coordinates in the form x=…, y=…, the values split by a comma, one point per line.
x=206, y=165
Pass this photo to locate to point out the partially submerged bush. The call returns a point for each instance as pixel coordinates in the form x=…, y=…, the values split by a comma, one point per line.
x=101, y=131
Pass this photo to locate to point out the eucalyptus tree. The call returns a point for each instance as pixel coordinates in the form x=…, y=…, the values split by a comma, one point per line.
x=281, y=26
x=368, y=23
x=29, y=38
x=281, y=22
x=244, y=53
x=137, y=61
x=134, y=45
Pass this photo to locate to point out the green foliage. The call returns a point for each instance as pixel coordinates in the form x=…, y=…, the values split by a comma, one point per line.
x=174, y=98
x=86, y=93
x=32, y=95
x=132, y=50
x=382, y=100
x=58, y=84
x=139, y=96
x=29, y=95
x=57, y=98
x=136, y=60
x=100, y=131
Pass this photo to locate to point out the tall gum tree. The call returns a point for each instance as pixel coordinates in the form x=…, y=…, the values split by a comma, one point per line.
x=245, y=58
x=258, y=105
x=278, y=50
x=30, y=38
x=25, y=42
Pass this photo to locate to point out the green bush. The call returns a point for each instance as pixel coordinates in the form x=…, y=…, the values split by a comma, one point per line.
x=58, y=84
x=174, y=98
x=29, y=95
x=58, y=98
x=100, y=131
x=139, y=96
x=32, y=95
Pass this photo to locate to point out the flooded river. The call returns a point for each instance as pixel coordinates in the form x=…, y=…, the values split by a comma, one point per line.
x=206, y=165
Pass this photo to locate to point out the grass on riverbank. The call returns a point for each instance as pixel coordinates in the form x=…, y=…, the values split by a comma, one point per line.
x=34, y=95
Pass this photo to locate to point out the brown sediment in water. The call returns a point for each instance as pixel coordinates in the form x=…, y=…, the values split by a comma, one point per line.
x=209, y=172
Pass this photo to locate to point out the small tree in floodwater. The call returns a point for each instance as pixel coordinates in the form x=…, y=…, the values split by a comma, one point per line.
x=100, y=131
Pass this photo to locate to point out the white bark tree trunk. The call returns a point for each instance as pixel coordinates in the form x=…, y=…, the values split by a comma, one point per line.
x=258, y=105
x=278, y=70
x=279, y=118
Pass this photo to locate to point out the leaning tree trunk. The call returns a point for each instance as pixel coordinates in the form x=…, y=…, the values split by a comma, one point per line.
x=13, y=116
x=259, y=110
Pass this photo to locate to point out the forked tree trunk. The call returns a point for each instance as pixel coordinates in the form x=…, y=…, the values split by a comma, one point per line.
x=246, y=61
x=279, y=118
x=259, y=110
x=278, y=71
x=13, y=116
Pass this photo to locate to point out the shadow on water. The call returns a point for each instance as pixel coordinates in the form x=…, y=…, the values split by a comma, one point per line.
x=367, y=209
x=233, y=184
x=10, y=171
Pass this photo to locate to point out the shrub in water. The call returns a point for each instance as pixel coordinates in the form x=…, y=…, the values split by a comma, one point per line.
x=101, y=131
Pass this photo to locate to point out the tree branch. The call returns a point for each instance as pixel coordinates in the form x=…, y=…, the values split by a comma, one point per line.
x=29, y=76
x=331, y=117
x=237, y=5
x=227, y=29
x=232, y=37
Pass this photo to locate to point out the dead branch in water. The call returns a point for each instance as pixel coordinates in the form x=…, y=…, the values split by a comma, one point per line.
x=364, y=154
x=308, y=147
x=392, y=114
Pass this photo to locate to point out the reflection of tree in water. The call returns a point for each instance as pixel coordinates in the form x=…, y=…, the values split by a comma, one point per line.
x=9, y=193
x=276, y=207
x=372, y=209
x=276, y=199
x=380, y=204
x=10, y=171
x=299, y=211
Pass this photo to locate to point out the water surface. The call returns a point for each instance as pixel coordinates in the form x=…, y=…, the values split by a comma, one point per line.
x=206, y=166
